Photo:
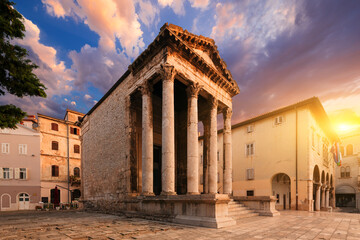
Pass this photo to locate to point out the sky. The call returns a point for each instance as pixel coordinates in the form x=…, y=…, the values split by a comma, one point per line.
x=279, y=52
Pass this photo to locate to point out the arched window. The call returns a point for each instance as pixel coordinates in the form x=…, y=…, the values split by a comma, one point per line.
x=54, y=170
x=347, y=171
x=54, y=145
x=342, y=171
x=349, y=150
x=77, y=172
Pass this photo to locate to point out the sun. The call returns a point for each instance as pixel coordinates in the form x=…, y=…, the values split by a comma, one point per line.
x=343, y=128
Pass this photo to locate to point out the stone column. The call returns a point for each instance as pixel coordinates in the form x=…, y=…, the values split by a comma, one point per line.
x=213, y=146
x=192, y=139
x=147, y=141
x=327, y=197
x=322, y=197
x=168, y=131
x=317, y=200
x=228, y=151
x=206, y=147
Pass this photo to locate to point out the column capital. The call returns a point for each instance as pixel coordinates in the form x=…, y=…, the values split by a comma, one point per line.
x=213, y=102
x=193, y=90
x=227, y=113
x=145, y=88
x=167, y=72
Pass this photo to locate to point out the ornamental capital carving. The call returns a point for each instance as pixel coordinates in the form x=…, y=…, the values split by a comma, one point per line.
x=227, y=113
x=193, y=90
x=213, y=102
x=167, y=72
x=145, y=88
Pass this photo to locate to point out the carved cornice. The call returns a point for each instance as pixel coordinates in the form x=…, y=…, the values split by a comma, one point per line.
x=167, y=72
x=193, y=90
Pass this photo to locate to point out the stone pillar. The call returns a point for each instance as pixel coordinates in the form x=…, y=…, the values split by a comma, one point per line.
x=168, y=131
x=228, y=151
x=317, y=200
x=327, y=197
x=322, y=197
x=213, y=146
x=206, y=147
x=192, y=139
x=147, y=141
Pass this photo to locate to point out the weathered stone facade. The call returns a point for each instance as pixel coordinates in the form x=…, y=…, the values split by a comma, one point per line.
x=140, y=142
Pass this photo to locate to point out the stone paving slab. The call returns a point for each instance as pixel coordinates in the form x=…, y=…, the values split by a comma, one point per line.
x=84, y=225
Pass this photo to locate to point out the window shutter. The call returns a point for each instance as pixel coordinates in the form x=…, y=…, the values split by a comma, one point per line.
x=57, y=170
x=1, y=173
x=71, y=130
x=17, y=173
x=11, y=173
x=27, y=174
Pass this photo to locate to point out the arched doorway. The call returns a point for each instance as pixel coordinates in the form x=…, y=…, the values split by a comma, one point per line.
x=5, y=201
x=55, y=196
x=345, y=196
x=316, y=188
x=281, y=189
x=24, y=201
x=76, y=194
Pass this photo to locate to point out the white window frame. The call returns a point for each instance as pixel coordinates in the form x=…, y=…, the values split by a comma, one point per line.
x=250, y=128
x=249, y=149
x=23, y=171
x=279, y=120
x=5, y=148
x=22, y=149
x=250, y=174
x=7, y=173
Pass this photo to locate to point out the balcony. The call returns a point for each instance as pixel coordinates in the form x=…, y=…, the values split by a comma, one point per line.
x=75, y=181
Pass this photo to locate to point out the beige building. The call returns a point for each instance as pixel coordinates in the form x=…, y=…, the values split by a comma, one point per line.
x=348, y=174
x=19, y=167
x=284, y=153
x=140, y=141
x=60, y=157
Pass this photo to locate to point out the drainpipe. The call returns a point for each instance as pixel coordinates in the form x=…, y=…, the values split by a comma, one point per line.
x=296, y=159
x=68, y=160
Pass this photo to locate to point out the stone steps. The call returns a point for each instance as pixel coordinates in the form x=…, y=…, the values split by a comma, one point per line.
x=238, y=211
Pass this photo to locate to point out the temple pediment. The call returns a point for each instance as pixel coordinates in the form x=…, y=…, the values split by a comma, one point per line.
x=200, y=51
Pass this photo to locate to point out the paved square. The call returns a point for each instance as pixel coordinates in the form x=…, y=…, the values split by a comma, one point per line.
x=84, y=225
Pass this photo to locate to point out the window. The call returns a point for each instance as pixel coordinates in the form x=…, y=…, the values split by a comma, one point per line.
x=76, y=148
x=22, y=173
x=77, y=172
x=6, y=173
x=347, y=173
x=279, y=120
x=250, y=193
x=250, y=128
x=5, y=148
x=54, y=145
x=75, y=131
x=249, y=149
x=277, y=198
x=342, y=172
x=54, y=127
x=23, y=149
x=250, y=174
x=45, y=199
x=54, y=171
x=349, y=150
x=79, y=118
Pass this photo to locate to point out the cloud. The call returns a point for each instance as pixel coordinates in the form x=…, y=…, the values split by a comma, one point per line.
x=199, y=3
x=87, y=97
x=73, y=103
x=176, y=5
x=148, y=13
x=111, y=20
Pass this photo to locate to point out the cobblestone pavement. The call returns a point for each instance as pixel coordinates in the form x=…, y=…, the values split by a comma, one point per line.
x=84, y=225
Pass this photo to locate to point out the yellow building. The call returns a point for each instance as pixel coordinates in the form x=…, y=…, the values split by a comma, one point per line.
x=60, y=157
x=284, y=153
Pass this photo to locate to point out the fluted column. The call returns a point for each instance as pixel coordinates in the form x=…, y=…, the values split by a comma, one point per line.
x=192, y=139
x=327, y=197
x=213, y=146
x=168, y=132
x=322, y=197
x=228, y=151
x=206, y=148
x=147, y=141
x=317, y=200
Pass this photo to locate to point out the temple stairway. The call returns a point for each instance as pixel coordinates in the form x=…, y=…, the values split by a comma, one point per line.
x=238, y=211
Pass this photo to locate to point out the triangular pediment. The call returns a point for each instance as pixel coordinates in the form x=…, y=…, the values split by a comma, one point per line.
x=198, y=50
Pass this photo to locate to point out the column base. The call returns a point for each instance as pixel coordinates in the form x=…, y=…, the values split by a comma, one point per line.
x=147, y=194
x=167, y=193
x=192, y=193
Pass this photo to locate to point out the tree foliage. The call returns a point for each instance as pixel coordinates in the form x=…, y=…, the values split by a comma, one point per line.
x=16, y=71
